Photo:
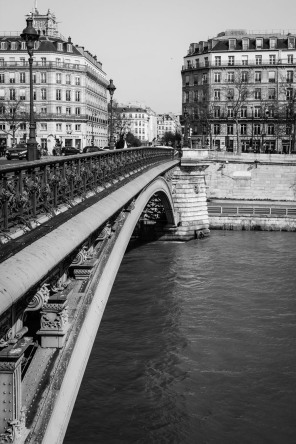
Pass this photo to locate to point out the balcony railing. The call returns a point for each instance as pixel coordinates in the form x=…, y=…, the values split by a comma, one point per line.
x=238, y=64
x=40, y=188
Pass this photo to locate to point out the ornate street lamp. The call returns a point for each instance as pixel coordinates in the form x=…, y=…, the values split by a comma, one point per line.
x=31, y=36
x=111, y=88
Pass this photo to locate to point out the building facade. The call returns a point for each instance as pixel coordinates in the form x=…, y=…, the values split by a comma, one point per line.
x=140, y=120
x=70, y=96
x=239, y=92
x=168, y=122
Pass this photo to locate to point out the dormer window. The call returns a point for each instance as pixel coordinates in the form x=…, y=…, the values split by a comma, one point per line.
x=69, y=47
x=3, y=45
x=13, y=46
x=23, y=45
x=272, y=43
x=259, y=43
x=245, y=43
x=291, y=42
x=232, y=44
x=60, y=47
x=36, y=45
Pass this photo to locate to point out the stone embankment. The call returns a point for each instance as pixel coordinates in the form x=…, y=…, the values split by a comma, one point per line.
x=249, y=191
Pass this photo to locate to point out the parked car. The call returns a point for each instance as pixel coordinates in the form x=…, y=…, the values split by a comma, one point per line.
x=20, y=152
x=70, y=151
x=92, y=149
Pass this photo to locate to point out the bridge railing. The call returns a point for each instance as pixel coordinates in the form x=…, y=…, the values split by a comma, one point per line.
x=29, y=190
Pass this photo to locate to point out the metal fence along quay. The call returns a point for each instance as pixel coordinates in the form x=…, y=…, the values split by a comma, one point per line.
x=32, y=189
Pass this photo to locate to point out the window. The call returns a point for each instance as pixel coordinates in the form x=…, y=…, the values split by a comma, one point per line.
x=230, y=77
x=43, y=110
x=58, y=62
x=243, y=112
x=58, y=77
x=2, y=78
x=77, y=127
x=290, y=58
x=1, y=62
x=3, y=45
x=232, y=44
x=187, y=78
x=68, y=95
x=22, y=77
x=230, y=60
x=23, y=61
x=68, y=110
x=59, y=110
x=229, y=112
x=204, y=78
x=257, y=129
x=2, y=94
x=2, y=126
x=217, y=111
x=58, y=94
x=258, y=60
x=217, y=94
x=271, y=76
x=258, y=76
x=188, y=63
x=270, y=129
x=12, y=94
x=259, y=43
x=58, y=127
x=68, y=79
x=60, y=47
x=23, y=45
x=272, y=43
x=23, y=126
x=206, y=61
x=245, y=43
x=69, y=47
x=271, y=93
x=243, y=129
x=77, y=111
x=272, y=59
x=43, y=61
x=43, y=77
x=230, y=94
x=288, y=130
x=197, y=63
x=216, y=128
x=195, y=80
x=289, y=76
x=22, y=94
x=43, y=126
x=257, y=93
x=69, y=128
x=245, y=60
x=230, y=128
x=291, y=42
x=77, y=80
x=289, y=93
x=245, y=76
x=43, y=94
x=195, y=97
x=257, y=111
x=217, y=61
x=217, y=77
x=12, y=77
x=67, y=63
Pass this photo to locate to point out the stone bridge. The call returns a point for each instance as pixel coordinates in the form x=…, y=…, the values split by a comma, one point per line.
x=65, y=226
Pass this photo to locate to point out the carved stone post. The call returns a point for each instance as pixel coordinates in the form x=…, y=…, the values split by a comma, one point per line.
x=10, y=383
x=54, y=321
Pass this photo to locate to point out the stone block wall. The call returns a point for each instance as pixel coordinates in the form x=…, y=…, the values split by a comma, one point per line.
x=251, y=181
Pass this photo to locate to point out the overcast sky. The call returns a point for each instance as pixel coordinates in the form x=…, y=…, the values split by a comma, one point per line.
x=141, y=43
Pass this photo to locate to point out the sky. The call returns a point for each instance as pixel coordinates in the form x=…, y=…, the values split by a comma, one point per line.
x=141, y=43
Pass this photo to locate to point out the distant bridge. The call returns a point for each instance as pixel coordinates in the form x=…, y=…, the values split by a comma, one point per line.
x=65, y=226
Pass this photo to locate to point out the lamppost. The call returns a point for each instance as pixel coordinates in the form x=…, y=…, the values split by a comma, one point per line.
x=31, y=36
x=92, y=128
x=185, y=142
x=111, y=88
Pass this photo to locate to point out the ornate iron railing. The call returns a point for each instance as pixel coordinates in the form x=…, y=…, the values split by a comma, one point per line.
x=30, y=190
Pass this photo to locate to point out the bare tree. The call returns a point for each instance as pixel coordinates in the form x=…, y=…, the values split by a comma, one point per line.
x=14, y=115
x=237, y=93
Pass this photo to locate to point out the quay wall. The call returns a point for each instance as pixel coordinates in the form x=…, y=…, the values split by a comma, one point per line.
x=250, y=223
x=251, y=180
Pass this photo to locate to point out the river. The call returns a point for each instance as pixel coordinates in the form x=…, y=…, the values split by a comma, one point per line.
x=196, y=346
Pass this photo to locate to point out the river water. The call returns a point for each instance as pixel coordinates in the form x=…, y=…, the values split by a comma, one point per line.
x=196, y=346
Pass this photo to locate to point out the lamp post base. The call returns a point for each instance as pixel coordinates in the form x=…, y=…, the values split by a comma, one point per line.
x=32, y=153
